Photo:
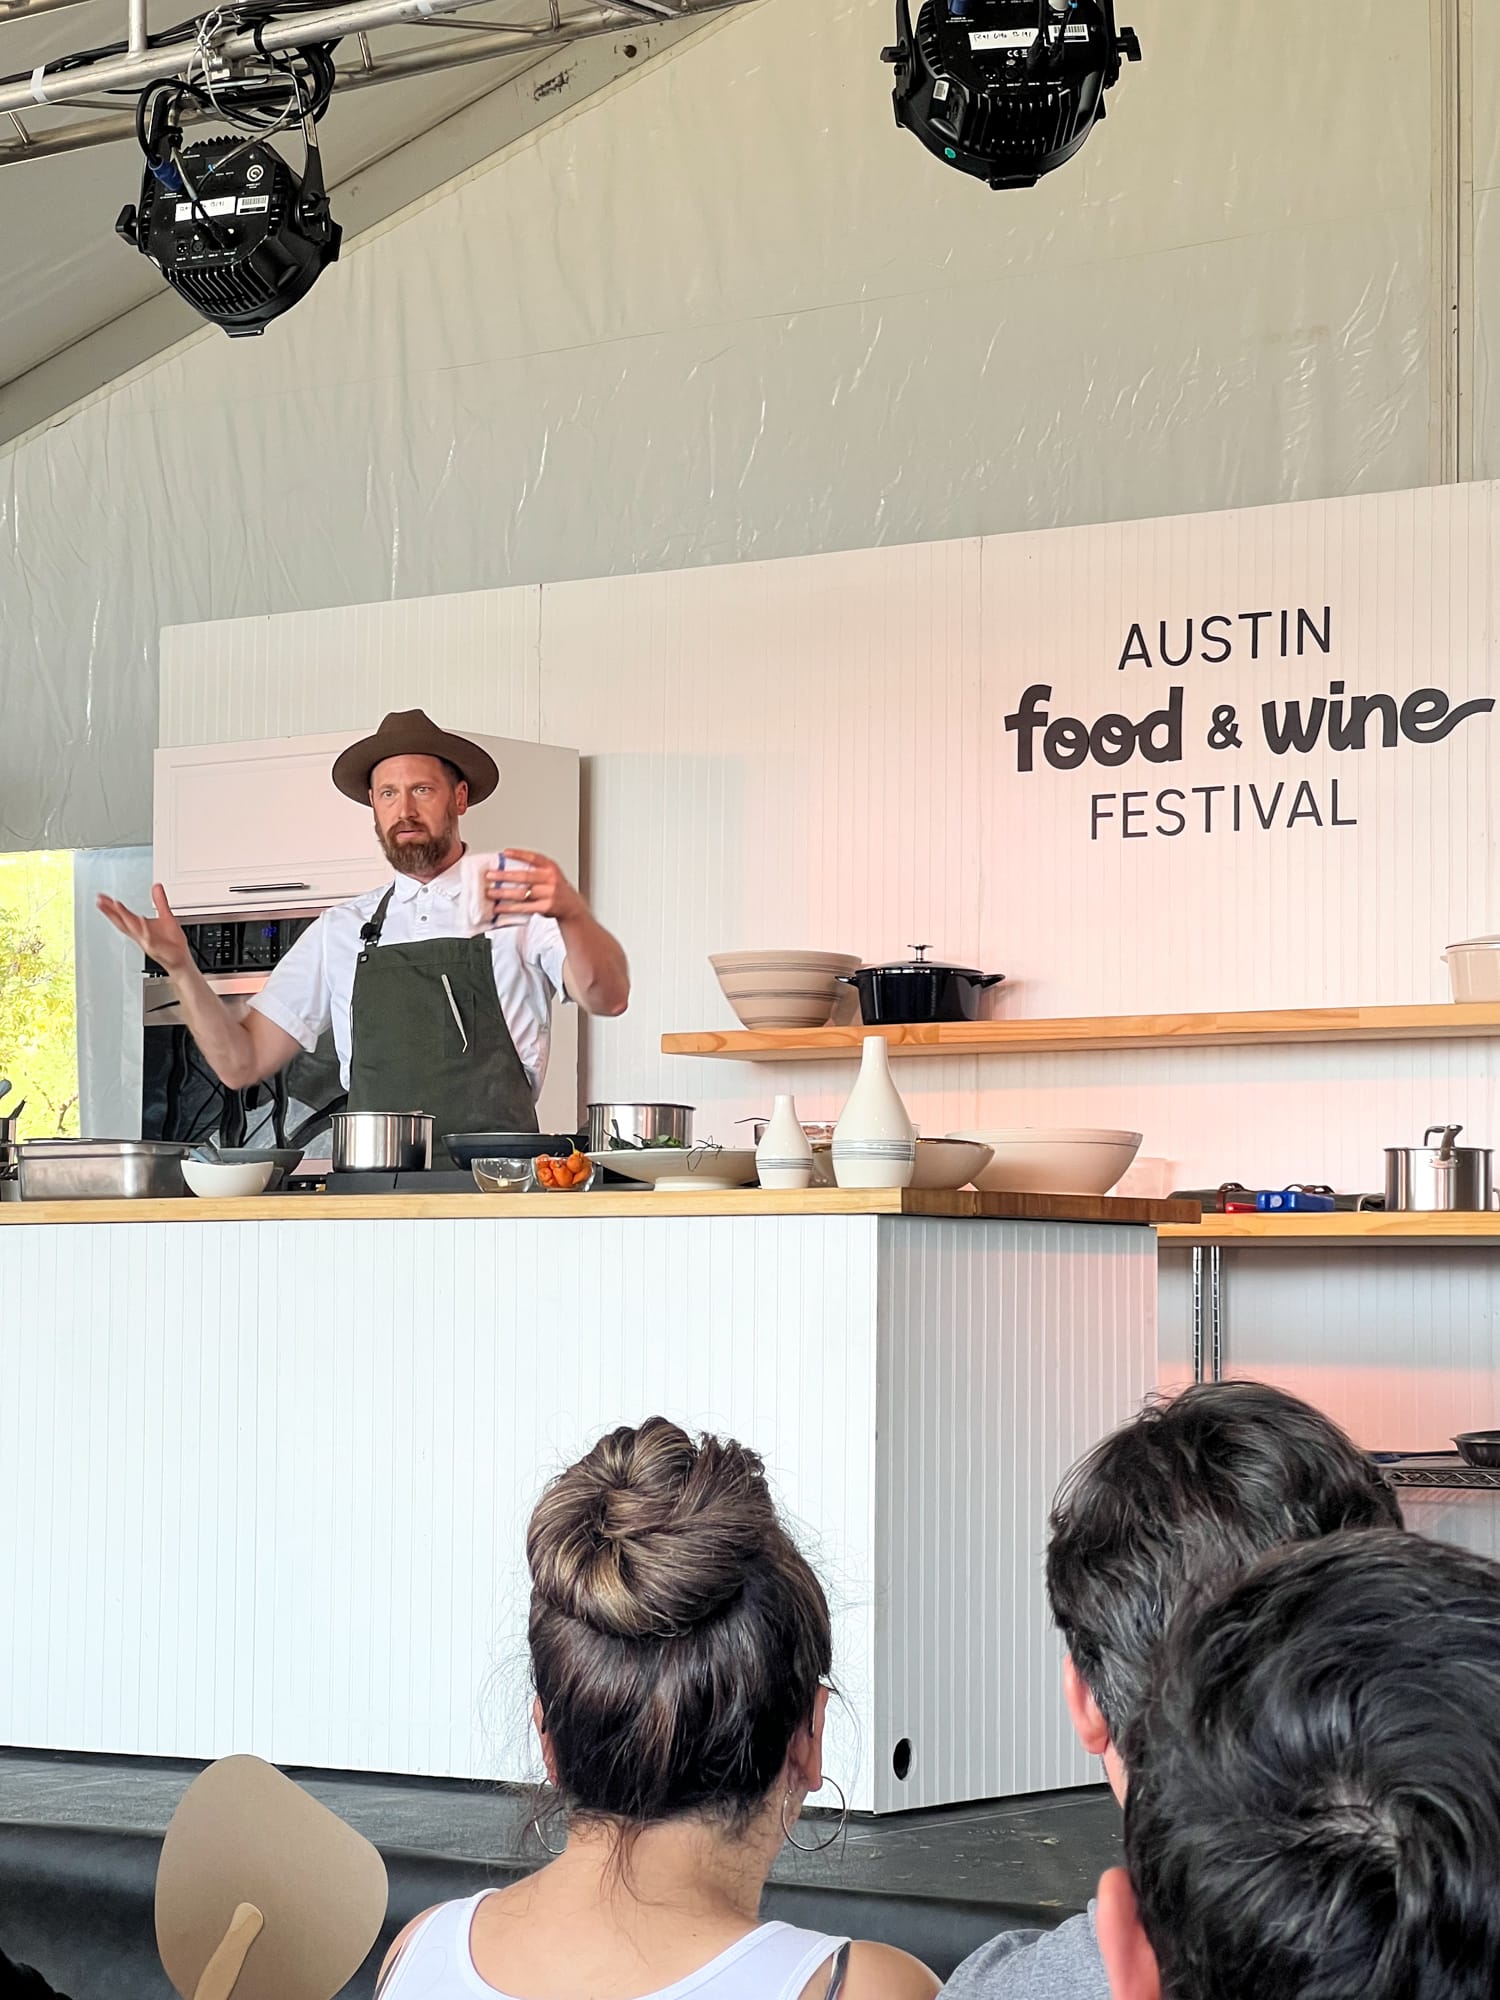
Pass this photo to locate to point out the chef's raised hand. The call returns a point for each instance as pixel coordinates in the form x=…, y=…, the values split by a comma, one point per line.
x=160, y=937
x=532, y=885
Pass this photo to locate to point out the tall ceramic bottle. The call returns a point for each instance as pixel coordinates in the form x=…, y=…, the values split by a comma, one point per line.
x=874, y=1142
x=783, y=1159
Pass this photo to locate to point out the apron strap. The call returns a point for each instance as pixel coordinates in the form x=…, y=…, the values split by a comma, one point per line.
x=370, y=935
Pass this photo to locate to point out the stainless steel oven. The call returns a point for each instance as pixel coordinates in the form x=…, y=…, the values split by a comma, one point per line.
x=181, y=1098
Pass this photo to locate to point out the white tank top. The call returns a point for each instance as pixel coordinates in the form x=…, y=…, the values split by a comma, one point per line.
x=772, y=1963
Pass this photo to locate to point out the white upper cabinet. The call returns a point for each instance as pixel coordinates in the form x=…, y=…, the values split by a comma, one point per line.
x=257, y=827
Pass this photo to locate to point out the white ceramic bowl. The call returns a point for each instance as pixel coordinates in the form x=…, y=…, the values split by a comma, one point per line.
x=1053, y=1160
x=231, y=1182
x=945, y=1164
x=1474, y=969
x=782, y=989
x=674, y=1170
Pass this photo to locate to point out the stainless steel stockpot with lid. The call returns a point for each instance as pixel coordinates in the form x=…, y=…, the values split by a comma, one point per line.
x=1433, y=1180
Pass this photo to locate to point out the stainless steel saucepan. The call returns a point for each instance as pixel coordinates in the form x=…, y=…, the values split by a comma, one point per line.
x=381, y=1142
x=626, y=1125
x=1432, y=1180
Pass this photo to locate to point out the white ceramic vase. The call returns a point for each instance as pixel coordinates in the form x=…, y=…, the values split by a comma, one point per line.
x=783, y=1159
x=874, y=1142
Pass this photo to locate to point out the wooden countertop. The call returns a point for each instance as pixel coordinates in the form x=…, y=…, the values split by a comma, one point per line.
x=1324, y=1232
x=648, y=1205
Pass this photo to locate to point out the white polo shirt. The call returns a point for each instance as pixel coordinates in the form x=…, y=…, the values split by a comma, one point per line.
x=313, y=986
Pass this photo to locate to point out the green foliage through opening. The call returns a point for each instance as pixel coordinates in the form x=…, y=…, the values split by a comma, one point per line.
x=38, y=992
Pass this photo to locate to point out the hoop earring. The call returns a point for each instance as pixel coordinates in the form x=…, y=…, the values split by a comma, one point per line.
x=539, y=1820
x=817, y=1846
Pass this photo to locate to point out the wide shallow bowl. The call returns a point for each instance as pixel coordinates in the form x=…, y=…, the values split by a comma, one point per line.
x=230, y=1182
x=1480, y=1448
x=946, y=1164
x=1053, y=1160
x=782, y=989
x=672, y=1170
x=502, y=1176
x=464, y=1148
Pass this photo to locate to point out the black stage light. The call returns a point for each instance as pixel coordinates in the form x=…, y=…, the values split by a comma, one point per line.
x=1006, y=90
x=229, y=225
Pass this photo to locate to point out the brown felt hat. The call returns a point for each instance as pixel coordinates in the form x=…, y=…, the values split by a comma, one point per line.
x=413, y=734
x=246, y=1835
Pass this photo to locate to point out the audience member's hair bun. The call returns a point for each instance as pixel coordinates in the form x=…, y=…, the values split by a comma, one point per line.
x=651, y=1535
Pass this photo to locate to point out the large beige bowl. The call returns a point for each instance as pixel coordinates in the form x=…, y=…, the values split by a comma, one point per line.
x=1054, y=1160
x=946, y=1164
x=782, y=989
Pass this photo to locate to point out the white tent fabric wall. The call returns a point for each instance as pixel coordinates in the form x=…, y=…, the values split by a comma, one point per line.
x=109, y=993
x=727, y=311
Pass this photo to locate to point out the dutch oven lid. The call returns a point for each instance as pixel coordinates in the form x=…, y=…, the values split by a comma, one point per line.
x=920, y=962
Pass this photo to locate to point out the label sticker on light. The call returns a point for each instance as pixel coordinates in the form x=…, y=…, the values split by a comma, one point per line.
x=220, y=204
x=254, y=204
x=1020, y=38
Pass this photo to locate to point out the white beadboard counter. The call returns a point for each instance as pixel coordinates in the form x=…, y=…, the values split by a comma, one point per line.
x=265, y=1466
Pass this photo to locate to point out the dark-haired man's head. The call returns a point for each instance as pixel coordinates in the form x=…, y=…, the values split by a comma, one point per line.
x=1190, y=1492
x=1314, y=1802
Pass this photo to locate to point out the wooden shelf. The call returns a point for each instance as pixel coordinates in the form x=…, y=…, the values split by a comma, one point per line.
x=614, y=1203
x=1241, y=1232
x=1111, y=1031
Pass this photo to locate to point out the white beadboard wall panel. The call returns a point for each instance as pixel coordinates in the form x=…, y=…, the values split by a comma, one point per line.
x=1254, y=920
x=471, y=660
x=233, y=1531
x=779, y=754
x=1004, y=1355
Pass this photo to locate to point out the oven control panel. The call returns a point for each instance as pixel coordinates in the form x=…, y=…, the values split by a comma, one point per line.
x=256, y=945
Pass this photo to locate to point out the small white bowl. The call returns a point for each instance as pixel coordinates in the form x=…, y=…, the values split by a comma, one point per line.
x=946, y=1164
x=219, y=1182
x=1052, y=1160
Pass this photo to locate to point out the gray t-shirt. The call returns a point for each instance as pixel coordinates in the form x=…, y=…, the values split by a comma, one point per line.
x=1035, y=1965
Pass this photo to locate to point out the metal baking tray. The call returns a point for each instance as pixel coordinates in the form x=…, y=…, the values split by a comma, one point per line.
x=102, y=1170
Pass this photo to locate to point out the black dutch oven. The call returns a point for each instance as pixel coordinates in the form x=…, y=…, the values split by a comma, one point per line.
x=892, y=996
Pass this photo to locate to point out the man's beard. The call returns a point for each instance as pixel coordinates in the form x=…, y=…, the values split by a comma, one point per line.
x=418, y=857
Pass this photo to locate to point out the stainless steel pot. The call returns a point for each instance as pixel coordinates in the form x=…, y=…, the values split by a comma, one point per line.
x=612, y=1125
x=1430, y=1180
x=381, y=1142
x=102, y=1170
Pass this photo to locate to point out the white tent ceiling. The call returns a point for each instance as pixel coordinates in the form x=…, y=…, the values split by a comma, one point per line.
x=79, y=307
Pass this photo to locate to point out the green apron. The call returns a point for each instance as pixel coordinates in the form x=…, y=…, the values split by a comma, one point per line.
x=428, y=1034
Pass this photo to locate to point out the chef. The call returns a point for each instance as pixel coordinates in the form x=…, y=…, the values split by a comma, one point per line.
x=424, y=1017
